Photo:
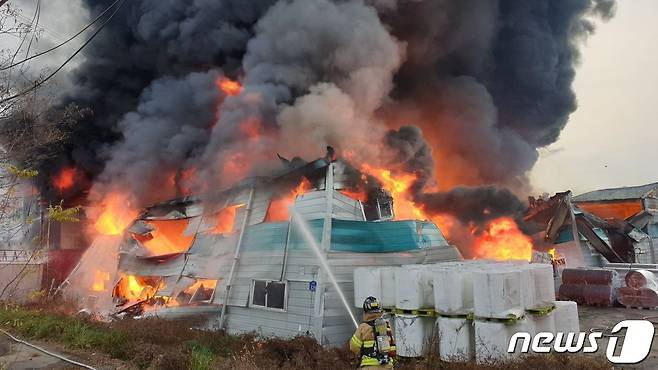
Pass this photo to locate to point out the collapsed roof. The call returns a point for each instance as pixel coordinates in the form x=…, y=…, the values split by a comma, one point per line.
x=614, y=239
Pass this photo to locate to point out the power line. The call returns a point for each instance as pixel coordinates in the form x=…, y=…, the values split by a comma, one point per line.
x=18, y=49
x=65, y=41
x=39, y=83
x=34, y=29
x=53, y=34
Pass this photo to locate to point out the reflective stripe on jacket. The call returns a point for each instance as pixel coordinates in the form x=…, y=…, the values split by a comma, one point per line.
x=364, y=338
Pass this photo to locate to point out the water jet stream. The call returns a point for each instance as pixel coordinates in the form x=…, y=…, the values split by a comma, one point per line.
x=306, y=233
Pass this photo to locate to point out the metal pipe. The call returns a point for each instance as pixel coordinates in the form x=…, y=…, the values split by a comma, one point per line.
x=236, y=258
x=285, y=248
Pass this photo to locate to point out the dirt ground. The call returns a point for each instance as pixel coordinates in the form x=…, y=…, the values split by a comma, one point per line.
x=606, y=318
x=17, y=356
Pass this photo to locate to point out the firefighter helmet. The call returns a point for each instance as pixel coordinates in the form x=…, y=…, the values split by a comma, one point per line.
x=371, y=305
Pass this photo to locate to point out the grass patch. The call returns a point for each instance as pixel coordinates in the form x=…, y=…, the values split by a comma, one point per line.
x=174, y=345
x=202, y=358
x=73, y=332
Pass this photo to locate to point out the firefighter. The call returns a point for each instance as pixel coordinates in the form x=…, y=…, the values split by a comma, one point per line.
x=373, y=340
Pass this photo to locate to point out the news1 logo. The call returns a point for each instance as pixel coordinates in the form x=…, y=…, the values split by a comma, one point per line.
x=635, y=348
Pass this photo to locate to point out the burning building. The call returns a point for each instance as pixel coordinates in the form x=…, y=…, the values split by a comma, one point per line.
x=445, y=104
x=250, y=264
x=611, y=225
x=637, y=205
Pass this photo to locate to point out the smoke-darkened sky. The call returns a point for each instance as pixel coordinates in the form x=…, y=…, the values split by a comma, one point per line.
x=612, y=138
x=606, y=138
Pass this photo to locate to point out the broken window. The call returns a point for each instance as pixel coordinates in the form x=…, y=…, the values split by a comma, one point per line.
x=379, y=206
x=164, y=237
x=269, y=294
x=200, y=291
x=225, y=220
x=132, y=288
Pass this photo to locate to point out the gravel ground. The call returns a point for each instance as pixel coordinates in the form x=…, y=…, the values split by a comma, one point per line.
x=606, y=318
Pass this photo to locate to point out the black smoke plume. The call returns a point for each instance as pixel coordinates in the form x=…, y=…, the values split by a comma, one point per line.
x=486, y=83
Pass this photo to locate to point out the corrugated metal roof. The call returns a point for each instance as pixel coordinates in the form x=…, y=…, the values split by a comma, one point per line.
x=631, y=192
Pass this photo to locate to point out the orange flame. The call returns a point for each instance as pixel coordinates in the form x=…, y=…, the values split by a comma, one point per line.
x=167, y=238
x=136, y=288
x=279, y=209
x=236, y=166
x=116, y=216
x=201, y=283
x=225, y=220
x=403, y=205
x=180, y=180
x=228, y=86
x=355, y=194
x=251, y=128
x=503, y=241
x=100, y=278
x=398, y=186
x=65, y=179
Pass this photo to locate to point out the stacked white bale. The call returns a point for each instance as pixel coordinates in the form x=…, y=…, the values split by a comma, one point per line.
x=543, y=323
x=542, y=292
x=453, y=289
x=367, y=282
x=387, y=275
x=566, y=317
x=456, y=339
x=542, y=296
x=501, y=292
x=492, y=339
x=454, y=295
x=413, y=334
x=413, y=287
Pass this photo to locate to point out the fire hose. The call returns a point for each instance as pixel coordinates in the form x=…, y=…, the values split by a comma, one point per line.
x=47, y=352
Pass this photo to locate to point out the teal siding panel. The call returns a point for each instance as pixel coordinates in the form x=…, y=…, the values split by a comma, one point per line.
x=272, y=236
x=383, y=237
x=347, y=236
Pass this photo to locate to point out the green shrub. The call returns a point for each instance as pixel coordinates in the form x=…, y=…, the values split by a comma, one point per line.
x=202, y=358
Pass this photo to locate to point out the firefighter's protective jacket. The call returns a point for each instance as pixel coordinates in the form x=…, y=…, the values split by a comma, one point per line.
x=363, y=341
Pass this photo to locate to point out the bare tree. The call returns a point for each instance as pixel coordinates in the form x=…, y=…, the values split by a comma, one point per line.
x=32, y=127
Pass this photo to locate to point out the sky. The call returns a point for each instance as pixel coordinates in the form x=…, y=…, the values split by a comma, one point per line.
x=612, y=138
x=59, y=20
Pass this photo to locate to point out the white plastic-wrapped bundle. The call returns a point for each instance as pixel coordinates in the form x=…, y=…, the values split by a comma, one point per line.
x=501, y=291
x=367, y=282
x=413, y=335
x=492, y=340
x=566, y=317
x=387, y=275
x=456, y=339
x=543, y=323
x=638, y=279
x=542, y=293
x=413, y=287
x=453, y=289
